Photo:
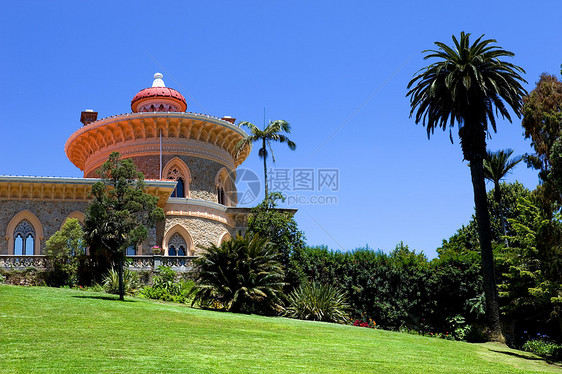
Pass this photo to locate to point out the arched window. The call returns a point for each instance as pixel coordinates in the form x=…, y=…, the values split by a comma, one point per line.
x=223, y=184
x=220, y=195
x=18, y=245
x=24, y=238
x=178, y=171
x=177, y=246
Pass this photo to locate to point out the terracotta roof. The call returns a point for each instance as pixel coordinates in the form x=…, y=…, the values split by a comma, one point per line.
x=158, y=92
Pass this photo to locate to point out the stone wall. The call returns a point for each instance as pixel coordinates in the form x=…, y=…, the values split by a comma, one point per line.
x=51, y=214
x=203, y=231
x=203, y=173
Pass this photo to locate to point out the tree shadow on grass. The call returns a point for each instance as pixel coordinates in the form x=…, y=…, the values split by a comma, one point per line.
x=520, y=355
x=528, y=357
x=103, y=297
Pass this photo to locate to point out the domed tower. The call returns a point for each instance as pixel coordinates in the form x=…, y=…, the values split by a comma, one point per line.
x=168, y=143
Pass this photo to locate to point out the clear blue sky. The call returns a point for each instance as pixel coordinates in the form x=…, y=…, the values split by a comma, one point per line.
x=337, y=71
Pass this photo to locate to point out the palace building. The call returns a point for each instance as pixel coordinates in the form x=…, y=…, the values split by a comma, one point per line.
x=188, y=159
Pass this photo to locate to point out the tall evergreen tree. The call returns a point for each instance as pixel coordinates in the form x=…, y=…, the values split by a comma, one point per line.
x=120, y=213
x=542, y=121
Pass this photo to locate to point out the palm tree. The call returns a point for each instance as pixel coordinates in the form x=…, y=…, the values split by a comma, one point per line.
x=496, y=166
x=467, y=84
x=271, y=133
x=240, y=275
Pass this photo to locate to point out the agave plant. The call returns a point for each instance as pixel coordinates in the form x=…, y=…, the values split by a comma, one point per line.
x=240, y=275
x=111, y=282
x=318, y=302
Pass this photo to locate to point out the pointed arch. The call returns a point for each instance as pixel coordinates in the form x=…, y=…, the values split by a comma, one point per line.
x=77, y=215
x=177, y=170
x=224, y=237
x=25, y=215
x=183, y=233
x=223, y=185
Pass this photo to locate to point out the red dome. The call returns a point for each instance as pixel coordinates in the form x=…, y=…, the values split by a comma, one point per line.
x=157, y=93
x=160, y=92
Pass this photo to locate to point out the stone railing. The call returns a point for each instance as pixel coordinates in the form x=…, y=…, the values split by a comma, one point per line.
x=138, y=263
x=149, y=262
x=20, y=262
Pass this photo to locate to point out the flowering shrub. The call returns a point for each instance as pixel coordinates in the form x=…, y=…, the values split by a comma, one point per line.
x=370, y=323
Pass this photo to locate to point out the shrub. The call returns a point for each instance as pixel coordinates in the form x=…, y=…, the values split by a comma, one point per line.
x=544, y=349
x=458, y=327
x=241, y=275
x=166, y=287
x=400, y=289
x=96, y=287
x=30, y=276
x=111, y=282
x=318, y=302
x=281, y=229
x=63, y=250
x=166, y=280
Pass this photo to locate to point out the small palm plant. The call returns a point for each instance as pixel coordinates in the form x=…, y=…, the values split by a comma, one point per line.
x=318, y=302
x=240, y=275
x=111, y=282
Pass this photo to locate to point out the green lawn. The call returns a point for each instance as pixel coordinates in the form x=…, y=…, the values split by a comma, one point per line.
x=57, y=330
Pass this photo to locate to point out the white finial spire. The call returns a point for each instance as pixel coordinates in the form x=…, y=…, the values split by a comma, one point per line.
x=158, y=82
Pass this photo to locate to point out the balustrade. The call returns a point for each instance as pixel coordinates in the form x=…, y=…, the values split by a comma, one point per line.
x=137, y=263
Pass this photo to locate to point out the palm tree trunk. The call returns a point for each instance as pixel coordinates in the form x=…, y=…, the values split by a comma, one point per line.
x=498, y=196
x=265, y=169
x=485, y=237
x=121, y=286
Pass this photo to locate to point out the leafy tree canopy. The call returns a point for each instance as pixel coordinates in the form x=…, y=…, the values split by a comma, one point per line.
x=531, y=283
x=542, y=121
x=62, y=251
x=281, y=229
x=120, y=212
x=466, y=238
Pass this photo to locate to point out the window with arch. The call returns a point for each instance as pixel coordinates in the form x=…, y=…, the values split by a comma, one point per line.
x=178, y=171
x=177, y=246
x=220, y=195
x=24, y=238
x=222, y=182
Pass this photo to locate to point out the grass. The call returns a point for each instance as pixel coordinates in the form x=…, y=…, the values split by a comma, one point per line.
x=60, y=330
